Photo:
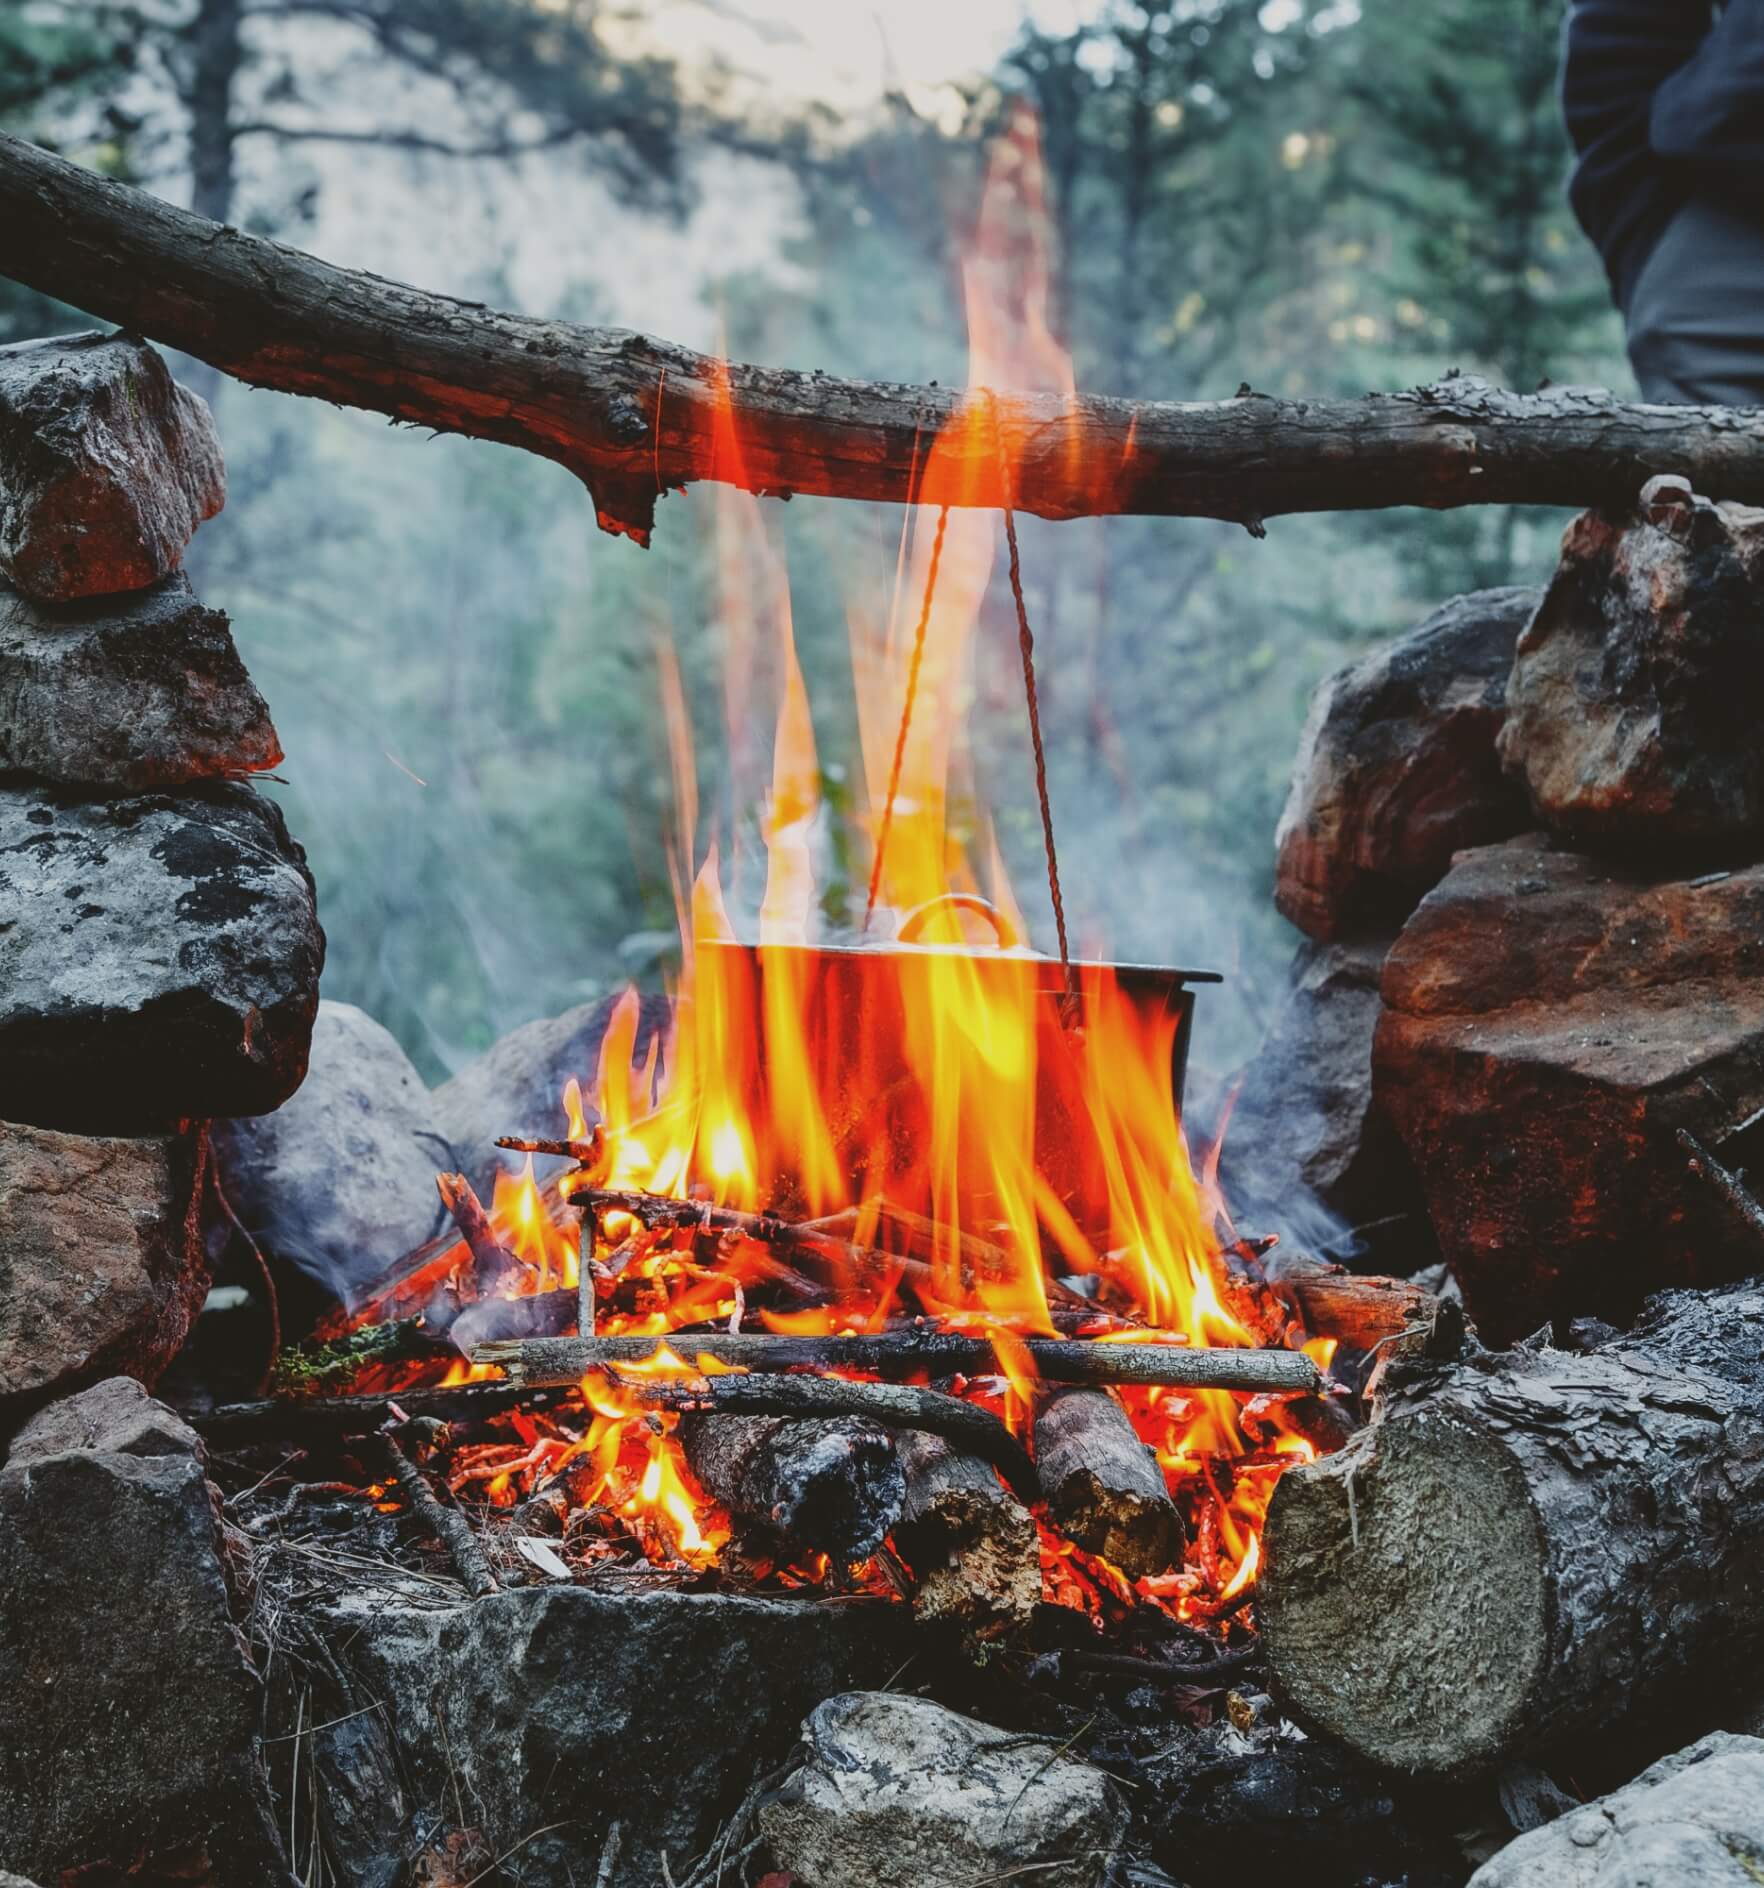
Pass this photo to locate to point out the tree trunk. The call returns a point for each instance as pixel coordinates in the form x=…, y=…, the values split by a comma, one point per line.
x=828, y=1485
x=635, y=417
x=1524, y=1547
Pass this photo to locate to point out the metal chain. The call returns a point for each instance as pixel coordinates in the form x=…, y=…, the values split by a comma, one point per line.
x=1026, y=644
x=906, y=714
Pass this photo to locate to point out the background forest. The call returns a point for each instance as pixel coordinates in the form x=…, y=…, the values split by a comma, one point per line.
x=1316, y=199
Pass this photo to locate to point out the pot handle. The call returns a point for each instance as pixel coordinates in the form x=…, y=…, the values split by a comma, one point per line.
x=917, y=921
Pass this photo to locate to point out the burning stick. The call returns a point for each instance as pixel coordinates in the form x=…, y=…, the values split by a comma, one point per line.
x=938, y=1353
x=310, y=1418
x=970, y=1546
x=584, y=1153
x=827, y=1485
x=895, y=1405
x=444, y=1521
x=1104, y=1488
x=491, y=1259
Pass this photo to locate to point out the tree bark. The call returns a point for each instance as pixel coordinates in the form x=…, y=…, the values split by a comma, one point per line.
x=828, y=1485
x=634, y=417
x=1104, y=1489
x=1525, y=1547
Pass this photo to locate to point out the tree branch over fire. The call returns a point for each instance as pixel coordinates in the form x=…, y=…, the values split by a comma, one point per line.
x=634, y=417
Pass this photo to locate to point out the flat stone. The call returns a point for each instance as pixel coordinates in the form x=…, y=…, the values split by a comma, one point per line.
x=107, y=466
x=1305, y=1132
x=128, y=1708
x=898, y=1792
x=1397, y=769
x=340, y=1180
x=1693, y=1820
x=554, y=1712
x=127, y=693
x=115, y=1416
x=159, y=958
x=1549, y=1023
x=101, y=1260
x=1631, y=713
x=517, y=1086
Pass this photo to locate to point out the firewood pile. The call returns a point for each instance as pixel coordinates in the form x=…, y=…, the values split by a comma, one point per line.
x=906, y=1595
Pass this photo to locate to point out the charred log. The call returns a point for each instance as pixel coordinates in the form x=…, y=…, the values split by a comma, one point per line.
x=1104, y=1489
x=1527, y=1546
x=634, y=417
x=312, y=1419
x=970, y=1545
x=828, y=1485
x=937, y=1353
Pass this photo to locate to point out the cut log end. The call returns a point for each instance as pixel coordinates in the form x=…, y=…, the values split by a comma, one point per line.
x=828, y=1485
x=1403, y=1603
x=970, y=1545
x=1104, y=1489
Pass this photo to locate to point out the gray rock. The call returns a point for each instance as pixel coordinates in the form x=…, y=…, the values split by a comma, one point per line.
x=113, y=1417
x=340, y=1180
x=897, y=1792
x=1397, y=770
x=107, y=466
x=580, y=1707
x=1305, y=1125
x=128, y=1708
x=101, y=1261
x=159, y=958
x=517, y=1086
x=1693, y=1820
x=1632, y=710
x=127, y=693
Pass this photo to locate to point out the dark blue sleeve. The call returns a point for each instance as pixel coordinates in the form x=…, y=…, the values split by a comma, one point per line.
x=1711, y=110
x=1616, y=55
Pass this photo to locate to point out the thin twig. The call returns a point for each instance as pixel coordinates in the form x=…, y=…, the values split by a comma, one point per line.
x=447, y=1524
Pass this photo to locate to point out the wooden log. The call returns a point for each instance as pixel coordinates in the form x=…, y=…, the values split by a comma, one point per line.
x=973, y=1428
x=828, y=1485
x=937, y=1353
x=1362, y=1312
x=634, y=417
x=1523, y=1549
x=1104, y=1489
x=970, y=1545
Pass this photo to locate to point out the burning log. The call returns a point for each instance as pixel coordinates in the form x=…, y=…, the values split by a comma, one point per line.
x=895, y=1405
x=1361, y=1312
x=491, y=1259
x=1104, y=1489
x=970, y=1545
x=937, y=1353
x=634, y=417
x=1530, y=1545
x=828, y=1485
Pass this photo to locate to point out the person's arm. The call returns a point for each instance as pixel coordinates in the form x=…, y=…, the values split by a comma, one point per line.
x=1711, y=110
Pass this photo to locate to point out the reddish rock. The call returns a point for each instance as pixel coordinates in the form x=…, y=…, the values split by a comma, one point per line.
x=127, y=693
x=1550, y=1022
x=101, y=1262
x=1632, y=713
x=107, y=466
x=1397, y=770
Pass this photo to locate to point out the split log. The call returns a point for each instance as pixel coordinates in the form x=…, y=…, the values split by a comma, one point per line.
x=970, y=1426
x=937, y=1353
x=971, y=1547
x=1104, y=1489
x=1361, y=1312
x=828, y=1485
x=634, y=417
x=1524, y=1548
